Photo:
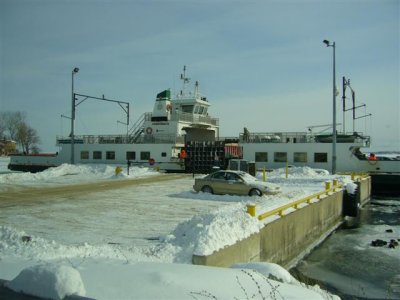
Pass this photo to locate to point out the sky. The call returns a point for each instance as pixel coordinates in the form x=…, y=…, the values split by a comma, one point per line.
x=261, y=64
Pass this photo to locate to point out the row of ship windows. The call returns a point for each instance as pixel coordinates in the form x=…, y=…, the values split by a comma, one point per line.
x=298, y=157
x=110, y=155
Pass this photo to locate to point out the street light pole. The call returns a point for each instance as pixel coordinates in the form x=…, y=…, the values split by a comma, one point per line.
x=333, y=45
x=74, y=71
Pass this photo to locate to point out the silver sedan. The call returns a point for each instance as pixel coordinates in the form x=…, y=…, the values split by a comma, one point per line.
x=234, y=183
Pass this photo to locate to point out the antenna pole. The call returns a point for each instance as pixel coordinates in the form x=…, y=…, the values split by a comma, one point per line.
x=185, y=81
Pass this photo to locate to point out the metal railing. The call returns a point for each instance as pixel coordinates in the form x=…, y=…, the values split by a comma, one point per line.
x=297, y=137
x=275, y=137
x=122, y=139
x=187, y=117
x=194, y=118
x=251, y=208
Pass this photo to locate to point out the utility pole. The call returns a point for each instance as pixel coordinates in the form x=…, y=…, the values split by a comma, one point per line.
x=74, y=71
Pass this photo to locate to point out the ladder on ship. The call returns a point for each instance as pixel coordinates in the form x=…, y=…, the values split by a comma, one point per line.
x=136, y=130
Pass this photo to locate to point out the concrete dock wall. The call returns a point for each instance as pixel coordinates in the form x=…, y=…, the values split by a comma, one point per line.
x=365, y=191
x=286, y=238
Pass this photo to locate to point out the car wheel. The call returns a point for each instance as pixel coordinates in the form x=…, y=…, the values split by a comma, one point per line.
x=207, y=189
x=255, y=192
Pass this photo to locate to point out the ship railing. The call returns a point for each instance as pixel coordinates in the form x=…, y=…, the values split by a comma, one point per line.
x=122, y=139
x=276, y=137
x=195, y=119
x=188, y=117
x=94, y=139
x=297, y=137
x=137, y=127
x=160, y=139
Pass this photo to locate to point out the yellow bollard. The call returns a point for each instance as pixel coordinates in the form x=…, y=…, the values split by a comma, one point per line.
x=251, y=209
x=327, y=185
x=118, y=170
x=335, y=184
x=264, y=175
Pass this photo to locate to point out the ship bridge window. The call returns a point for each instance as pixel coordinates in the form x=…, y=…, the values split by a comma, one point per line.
x=187, y=108
x=200, y=110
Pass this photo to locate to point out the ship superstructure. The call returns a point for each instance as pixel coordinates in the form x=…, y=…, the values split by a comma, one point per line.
x=157, y=138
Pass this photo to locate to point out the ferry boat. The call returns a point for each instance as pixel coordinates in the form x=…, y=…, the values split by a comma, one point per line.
x=179, y=135
x=157, y=139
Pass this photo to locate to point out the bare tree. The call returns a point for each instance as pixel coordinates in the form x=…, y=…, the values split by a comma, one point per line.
x=27, y=137
x=13, y=126
x=12, y=121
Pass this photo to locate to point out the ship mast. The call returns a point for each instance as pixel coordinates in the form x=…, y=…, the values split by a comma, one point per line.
x=185, y=81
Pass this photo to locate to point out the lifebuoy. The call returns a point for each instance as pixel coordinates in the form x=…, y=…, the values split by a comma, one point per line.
x=169, y=107
x=152, y=161
x=149, y=130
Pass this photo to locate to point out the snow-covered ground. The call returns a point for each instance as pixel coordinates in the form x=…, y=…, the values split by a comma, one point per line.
x=137, y=242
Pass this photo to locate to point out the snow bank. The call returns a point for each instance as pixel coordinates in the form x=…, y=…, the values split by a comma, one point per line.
x=184, y=281
x=205, y=233
x=277, y=273
x=299, y=172
x=15, y=243
x=72, y=174
x=269, y=270
x=49, y=281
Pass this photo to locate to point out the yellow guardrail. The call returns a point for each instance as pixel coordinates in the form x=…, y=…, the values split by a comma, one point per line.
x=355, y=175
x=251, y=208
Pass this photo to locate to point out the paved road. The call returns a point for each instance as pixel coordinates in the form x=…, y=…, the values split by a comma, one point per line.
x=34, y=193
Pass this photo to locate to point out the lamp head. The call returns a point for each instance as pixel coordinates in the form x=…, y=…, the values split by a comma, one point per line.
x=326, y=42
x=76, y=70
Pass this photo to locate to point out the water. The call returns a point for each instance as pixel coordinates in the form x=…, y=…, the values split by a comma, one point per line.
x=349, y=266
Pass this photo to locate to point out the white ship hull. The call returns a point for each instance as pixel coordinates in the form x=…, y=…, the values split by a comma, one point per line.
x=346, y=160
x=276, y=150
